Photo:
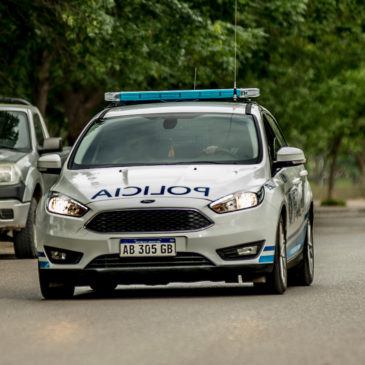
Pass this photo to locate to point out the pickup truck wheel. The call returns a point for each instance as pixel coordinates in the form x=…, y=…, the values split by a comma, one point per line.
x=25, y=241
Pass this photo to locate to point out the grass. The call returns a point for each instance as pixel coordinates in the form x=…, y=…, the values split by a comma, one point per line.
x=340, y=193
x=333, y=203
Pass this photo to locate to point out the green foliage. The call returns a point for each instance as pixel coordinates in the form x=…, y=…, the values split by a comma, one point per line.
x=306, y=56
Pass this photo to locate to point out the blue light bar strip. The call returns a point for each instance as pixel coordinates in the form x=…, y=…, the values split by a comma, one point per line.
x=176, y=95
x=182, y=95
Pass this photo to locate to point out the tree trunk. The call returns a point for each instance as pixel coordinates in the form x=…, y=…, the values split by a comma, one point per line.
x=42, y=82
x=318, y=175
x=334, y=154
x=79, y=106
x=360, y=161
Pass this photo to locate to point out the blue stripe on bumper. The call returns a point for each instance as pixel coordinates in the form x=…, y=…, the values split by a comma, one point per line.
x=43, y=264
x=267, y=259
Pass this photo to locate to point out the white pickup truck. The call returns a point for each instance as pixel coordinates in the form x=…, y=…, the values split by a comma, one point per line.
x=23, y=138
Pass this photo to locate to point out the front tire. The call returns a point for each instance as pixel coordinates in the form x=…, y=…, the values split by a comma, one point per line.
x=25, y=241
x=303, y=273
x=277, y=280
x=54, y=289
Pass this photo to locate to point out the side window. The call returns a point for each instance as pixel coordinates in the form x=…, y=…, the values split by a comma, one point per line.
x=38, y=129
x=270, y=140
x=275, y=138
x=278, y=134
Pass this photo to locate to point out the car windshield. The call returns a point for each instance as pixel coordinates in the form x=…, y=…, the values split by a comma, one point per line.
x=169, y=139
x=14, y=131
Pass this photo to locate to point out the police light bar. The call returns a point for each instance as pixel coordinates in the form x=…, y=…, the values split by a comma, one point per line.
x=182, y=95
x=249, y=93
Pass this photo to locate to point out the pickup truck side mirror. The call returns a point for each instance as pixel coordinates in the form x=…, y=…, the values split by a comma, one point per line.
x=289, y=156
x=52, y=144
x=49, y=164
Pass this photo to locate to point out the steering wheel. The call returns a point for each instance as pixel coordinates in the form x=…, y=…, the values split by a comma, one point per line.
x=215, y=150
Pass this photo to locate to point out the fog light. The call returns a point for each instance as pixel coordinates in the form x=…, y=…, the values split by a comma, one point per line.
x=59, y=256
x=247, y=251
x=62, y=256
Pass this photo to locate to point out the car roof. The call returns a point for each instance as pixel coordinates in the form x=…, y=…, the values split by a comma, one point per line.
x=176, y=107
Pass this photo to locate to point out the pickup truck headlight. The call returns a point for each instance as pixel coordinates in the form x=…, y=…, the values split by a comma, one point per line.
x=9, y=174
x=62, y=204
x=238, y=201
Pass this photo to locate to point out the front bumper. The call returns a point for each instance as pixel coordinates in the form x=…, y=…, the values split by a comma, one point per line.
x=13, y=214
x=243, y=227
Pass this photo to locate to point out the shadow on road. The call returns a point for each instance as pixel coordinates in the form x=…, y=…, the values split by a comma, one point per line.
x=174, y=292
x=7, y=256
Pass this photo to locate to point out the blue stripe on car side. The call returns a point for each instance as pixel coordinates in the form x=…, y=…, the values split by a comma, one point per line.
x=299, y=236
x=267, y=259
x=41, y=254
x=299, y=229
x=298, y=243
x=43, y=264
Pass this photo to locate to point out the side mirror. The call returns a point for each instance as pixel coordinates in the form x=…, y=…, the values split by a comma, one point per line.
x=53, y=144
x=49, y=164
x=289, y=156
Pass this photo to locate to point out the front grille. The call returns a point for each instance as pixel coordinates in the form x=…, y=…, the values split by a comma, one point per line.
x=181, y=259
x=148, y=221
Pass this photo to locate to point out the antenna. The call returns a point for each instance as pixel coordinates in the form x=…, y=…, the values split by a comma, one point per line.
x=235, y=51
x=196, y=71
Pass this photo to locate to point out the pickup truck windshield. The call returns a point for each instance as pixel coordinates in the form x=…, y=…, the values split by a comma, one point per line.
x=169, y=139
x=14, y=131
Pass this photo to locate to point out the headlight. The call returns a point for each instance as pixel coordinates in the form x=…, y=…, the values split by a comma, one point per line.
x=237, y=201
x=9, y=174
x=62, y=204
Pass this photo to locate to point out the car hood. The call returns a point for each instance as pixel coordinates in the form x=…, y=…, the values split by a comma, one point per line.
x=208, y=182
x=10, y=156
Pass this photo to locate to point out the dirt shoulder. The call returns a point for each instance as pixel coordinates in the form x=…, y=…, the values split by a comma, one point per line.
x=356, y=206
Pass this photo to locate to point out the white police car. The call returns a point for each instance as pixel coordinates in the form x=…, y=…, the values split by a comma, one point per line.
x=177, y=191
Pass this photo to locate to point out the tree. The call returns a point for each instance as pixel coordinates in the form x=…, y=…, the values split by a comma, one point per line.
x=310, y=79
x=306, y=56
x=75, y=50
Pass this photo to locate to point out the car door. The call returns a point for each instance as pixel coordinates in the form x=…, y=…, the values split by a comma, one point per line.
x=292, y=181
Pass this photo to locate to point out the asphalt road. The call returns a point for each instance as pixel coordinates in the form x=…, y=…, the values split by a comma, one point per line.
x=195, y=324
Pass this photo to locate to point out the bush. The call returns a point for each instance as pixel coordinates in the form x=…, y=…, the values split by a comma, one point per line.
x=333, y=203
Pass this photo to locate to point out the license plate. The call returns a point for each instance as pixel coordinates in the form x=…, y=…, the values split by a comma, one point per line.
x=147, y=247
